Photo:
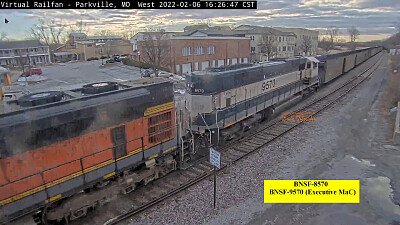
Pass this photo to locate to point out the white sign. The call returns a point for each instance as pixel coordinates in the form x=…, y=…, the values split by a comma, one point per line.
x=215, y=158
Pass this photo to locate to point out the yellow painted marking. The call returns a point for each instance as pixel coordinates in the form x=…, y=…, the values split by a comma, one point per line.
x=109, y=175
x=170, y=149
x=51, y=184
x=130, y=154
x=22, y=195
x=53, y=198
x=105, y=163
x=159, y=108
x=152, y=157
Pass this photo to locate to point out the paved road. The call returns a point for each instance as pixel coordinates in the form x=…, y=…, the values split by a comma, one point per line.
x=74, y=75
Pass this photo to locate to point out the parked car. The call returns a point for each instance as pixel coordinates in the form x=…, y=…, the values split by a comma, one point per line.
x=147, y=72
x=32, y=71
x=113, y=59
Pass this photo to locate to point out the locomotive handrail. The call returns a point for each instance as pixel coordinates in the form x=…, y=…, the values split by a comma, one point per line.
x=91, y=154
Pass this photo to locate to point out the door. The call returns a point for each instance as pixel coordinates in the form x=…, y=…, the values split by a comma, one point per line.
x=205, y=65
x=186, y=68
x=118, y=137
x=234, y=61
x=220, y=62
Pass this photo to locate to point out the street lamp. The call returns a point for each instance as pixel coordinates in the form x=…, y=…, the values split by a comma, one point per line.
x=140, y=65
x=101, y=51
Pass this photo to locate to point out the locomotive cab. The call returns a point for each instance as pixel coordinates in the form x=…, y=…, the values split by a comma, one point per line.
x=309, y=70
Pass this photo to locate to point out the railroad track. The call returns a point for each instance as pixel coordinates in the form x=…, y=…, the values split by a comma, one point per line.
x=176, y=182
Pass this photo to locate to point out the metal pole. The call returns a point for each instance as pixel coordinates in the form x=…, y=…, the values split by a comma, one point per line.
x=215, y=186
x=140, y=67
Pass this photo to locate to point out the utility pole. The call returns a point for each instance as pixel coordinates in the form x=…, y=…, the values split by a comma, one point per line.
x=140, y=65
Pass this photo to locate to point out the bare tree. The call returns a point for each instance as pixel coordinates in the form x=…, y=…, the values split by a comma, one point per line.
x=3, y=36
x=111, y=48
x=51, y=32
x=267, y=46
x=105, y=33
x=79, y=27
x=306, y=44
x=324, y=43
x=333, y=34
x=156, y=49
x=353, y=33
x=127, y=35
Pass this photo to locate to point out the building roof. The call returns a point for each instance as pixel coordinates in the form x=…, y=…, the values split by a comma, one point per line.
x=249, y=29
x=103, y=37
x=219, y=33
x=196, y=27
x=84, y=42
x=78, y=34
x=209, y=38
x=21, y=44
x=64, y=53
x=296, y=29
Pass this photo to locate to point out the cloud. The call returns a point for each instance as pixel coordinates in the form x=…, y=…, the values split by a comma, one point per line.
x=370, y=16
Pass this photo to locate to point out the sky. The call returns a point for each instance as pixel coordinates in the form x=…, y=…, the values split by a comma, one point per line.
x=374, y=18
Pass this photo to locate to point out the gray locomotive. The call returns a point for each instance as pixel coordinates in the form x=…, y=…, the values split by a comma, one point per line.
x=225, y=102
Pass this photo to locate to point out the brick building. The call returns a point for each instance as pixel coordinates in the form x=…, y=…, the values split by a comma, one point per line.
x=197, y=50
x=191, y=53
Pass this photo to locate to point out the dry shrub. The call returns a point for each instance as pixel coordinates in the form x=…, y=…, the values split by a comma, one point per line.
x=393, y=91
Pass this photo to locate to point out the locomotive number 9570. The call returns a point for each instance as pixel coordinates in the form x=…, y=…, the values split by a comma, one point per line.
x=268, y=84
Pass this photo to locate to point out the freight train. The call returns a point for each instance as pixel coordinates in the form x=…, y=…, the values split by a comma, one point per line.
x=65, y=153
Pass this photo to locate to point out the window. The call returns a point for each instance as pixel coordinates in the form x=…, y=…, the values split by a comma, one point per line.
x=213, y=63
x=279, y=48
x=244, y=60
x=228, y=61
x=211, y=49
x=196, y=66
x=186, y=51
x=284, y=48
x=199, y=50
x=252, y=49
x=252, y=38
x=280, y=39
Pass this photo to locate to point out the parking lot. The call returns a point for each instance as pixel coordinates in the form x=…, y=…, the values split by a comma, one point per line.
x=74, y=75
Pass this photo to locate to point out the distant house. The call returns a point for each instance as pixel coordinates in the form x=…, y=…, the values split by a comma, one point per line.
x=30, y=52
x=281, y=43
x=83, y=47
x=303, y=37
